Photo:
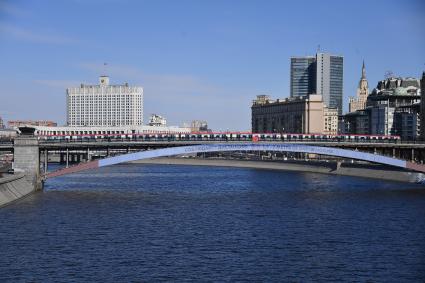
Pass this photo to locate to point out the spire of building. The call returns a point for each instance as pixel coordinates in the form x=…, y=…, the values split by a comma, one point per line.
x=363, y=71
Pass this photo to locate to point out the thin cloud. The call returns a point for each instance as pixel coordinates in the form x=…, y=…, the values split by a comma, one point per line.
x=159, y=82
x=33, y=36
x=63, y=84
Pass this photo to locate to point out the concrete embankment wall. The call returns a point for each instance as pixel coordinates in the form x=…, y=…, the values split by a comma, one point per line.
x=14, y=187
x=366, y=171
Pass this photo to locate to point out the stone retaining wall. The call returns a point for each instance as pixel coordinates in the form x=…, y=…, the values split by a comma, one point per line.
x=14, y=187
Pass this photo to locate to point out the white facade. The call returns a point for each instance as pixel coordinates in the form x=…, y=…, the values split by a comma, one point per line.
x=157, y=120
x=104, y=105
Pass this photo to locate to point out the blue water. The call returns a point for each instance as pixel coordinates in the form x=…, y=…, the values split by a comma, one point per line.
x=133, y=223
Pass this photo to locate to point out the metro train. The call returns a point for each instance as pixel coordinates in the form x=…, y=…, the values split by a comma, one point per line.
x=219, y=136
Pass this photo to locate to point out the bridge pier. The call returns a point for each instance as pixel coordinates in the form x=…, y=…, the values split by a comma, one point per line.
x=27, y=157
x=46, y=160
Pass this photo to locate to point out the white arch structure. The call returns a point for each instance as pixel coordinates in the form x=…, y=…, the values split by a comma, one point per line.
x=225, y=147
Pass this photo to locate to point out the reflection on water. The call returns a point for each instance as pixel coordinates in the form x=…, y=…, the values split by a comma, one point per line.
x=163, y=222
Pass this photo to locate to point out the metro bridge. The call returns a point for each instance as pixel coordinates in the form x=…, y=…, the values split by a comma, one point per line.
x=113, y=151
x=72, y=151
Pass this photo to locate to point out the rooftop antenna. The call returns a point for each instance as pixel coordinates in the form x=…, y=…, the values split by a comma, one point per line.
x=389, y=74
x=104, y=69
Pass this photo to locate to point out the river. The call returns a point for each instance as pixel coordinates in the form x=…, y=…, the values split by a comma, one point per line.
x=144, y=223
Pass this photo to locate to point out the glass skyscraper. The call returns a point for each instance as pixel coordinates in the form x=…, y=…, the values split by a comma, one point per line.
x=322, y=74
x=303, y=76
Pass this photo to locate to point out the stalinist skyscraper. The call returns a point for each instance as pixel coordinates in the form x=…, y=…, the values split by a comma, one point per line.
x=359, y=102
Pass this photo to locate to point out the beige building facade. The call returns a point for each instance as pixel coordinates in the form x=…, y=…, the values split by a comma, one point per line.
x=359, y=102
x=291, y=115
x=330, y=121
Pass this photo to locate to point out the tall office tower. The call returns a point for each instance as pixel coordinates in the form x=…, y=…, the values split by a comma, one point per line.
x=105, y=105
x=329, y=79
x=303, y=76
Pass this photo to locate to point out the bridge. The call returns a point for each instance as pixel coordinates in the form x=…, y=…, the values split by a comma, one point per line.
x=225, y=147
x=77, y=151
x=29, y=152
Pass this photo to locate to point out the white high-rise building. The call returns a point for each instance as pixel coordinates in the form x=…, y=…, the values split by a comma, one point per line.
x=104, y=105
x=329, y=79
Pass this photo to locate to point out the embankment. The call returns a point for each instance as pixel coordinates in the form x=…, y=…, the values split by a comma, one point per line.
x=14, y=187
x=356, y=170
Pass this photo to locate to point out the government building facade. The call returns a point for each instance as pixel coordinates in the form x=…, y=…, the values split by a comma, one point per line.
x=104, y=105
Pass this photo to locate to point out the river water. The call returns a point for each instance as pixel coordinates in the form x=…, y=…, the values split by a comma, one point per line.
x=133, y=223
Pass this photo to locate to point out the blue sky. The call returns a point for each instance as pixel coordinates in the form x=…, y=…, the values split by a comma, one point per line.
x=195, y=59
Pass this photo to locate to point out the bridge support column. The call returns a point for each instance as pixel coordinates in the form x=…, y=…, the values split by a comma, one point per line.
x=46, y=160
x=88, y=154
x=338, y=165
x=67, y=158
x=412, y=158
x=27, y=157
x=393, y=152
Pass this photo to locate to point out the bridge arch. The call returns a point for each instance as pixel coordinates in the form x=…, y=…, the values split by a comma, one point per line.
x=226, y=147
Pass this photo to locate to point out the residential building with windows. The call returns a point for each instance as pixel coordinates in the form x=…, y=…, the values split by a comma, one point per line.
x=157, y=120
x=330, y=121
x=388, y=100
x=392, y=108
x=104, y=105
x=302, y=114
x=356, y=123
x=199, y=126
